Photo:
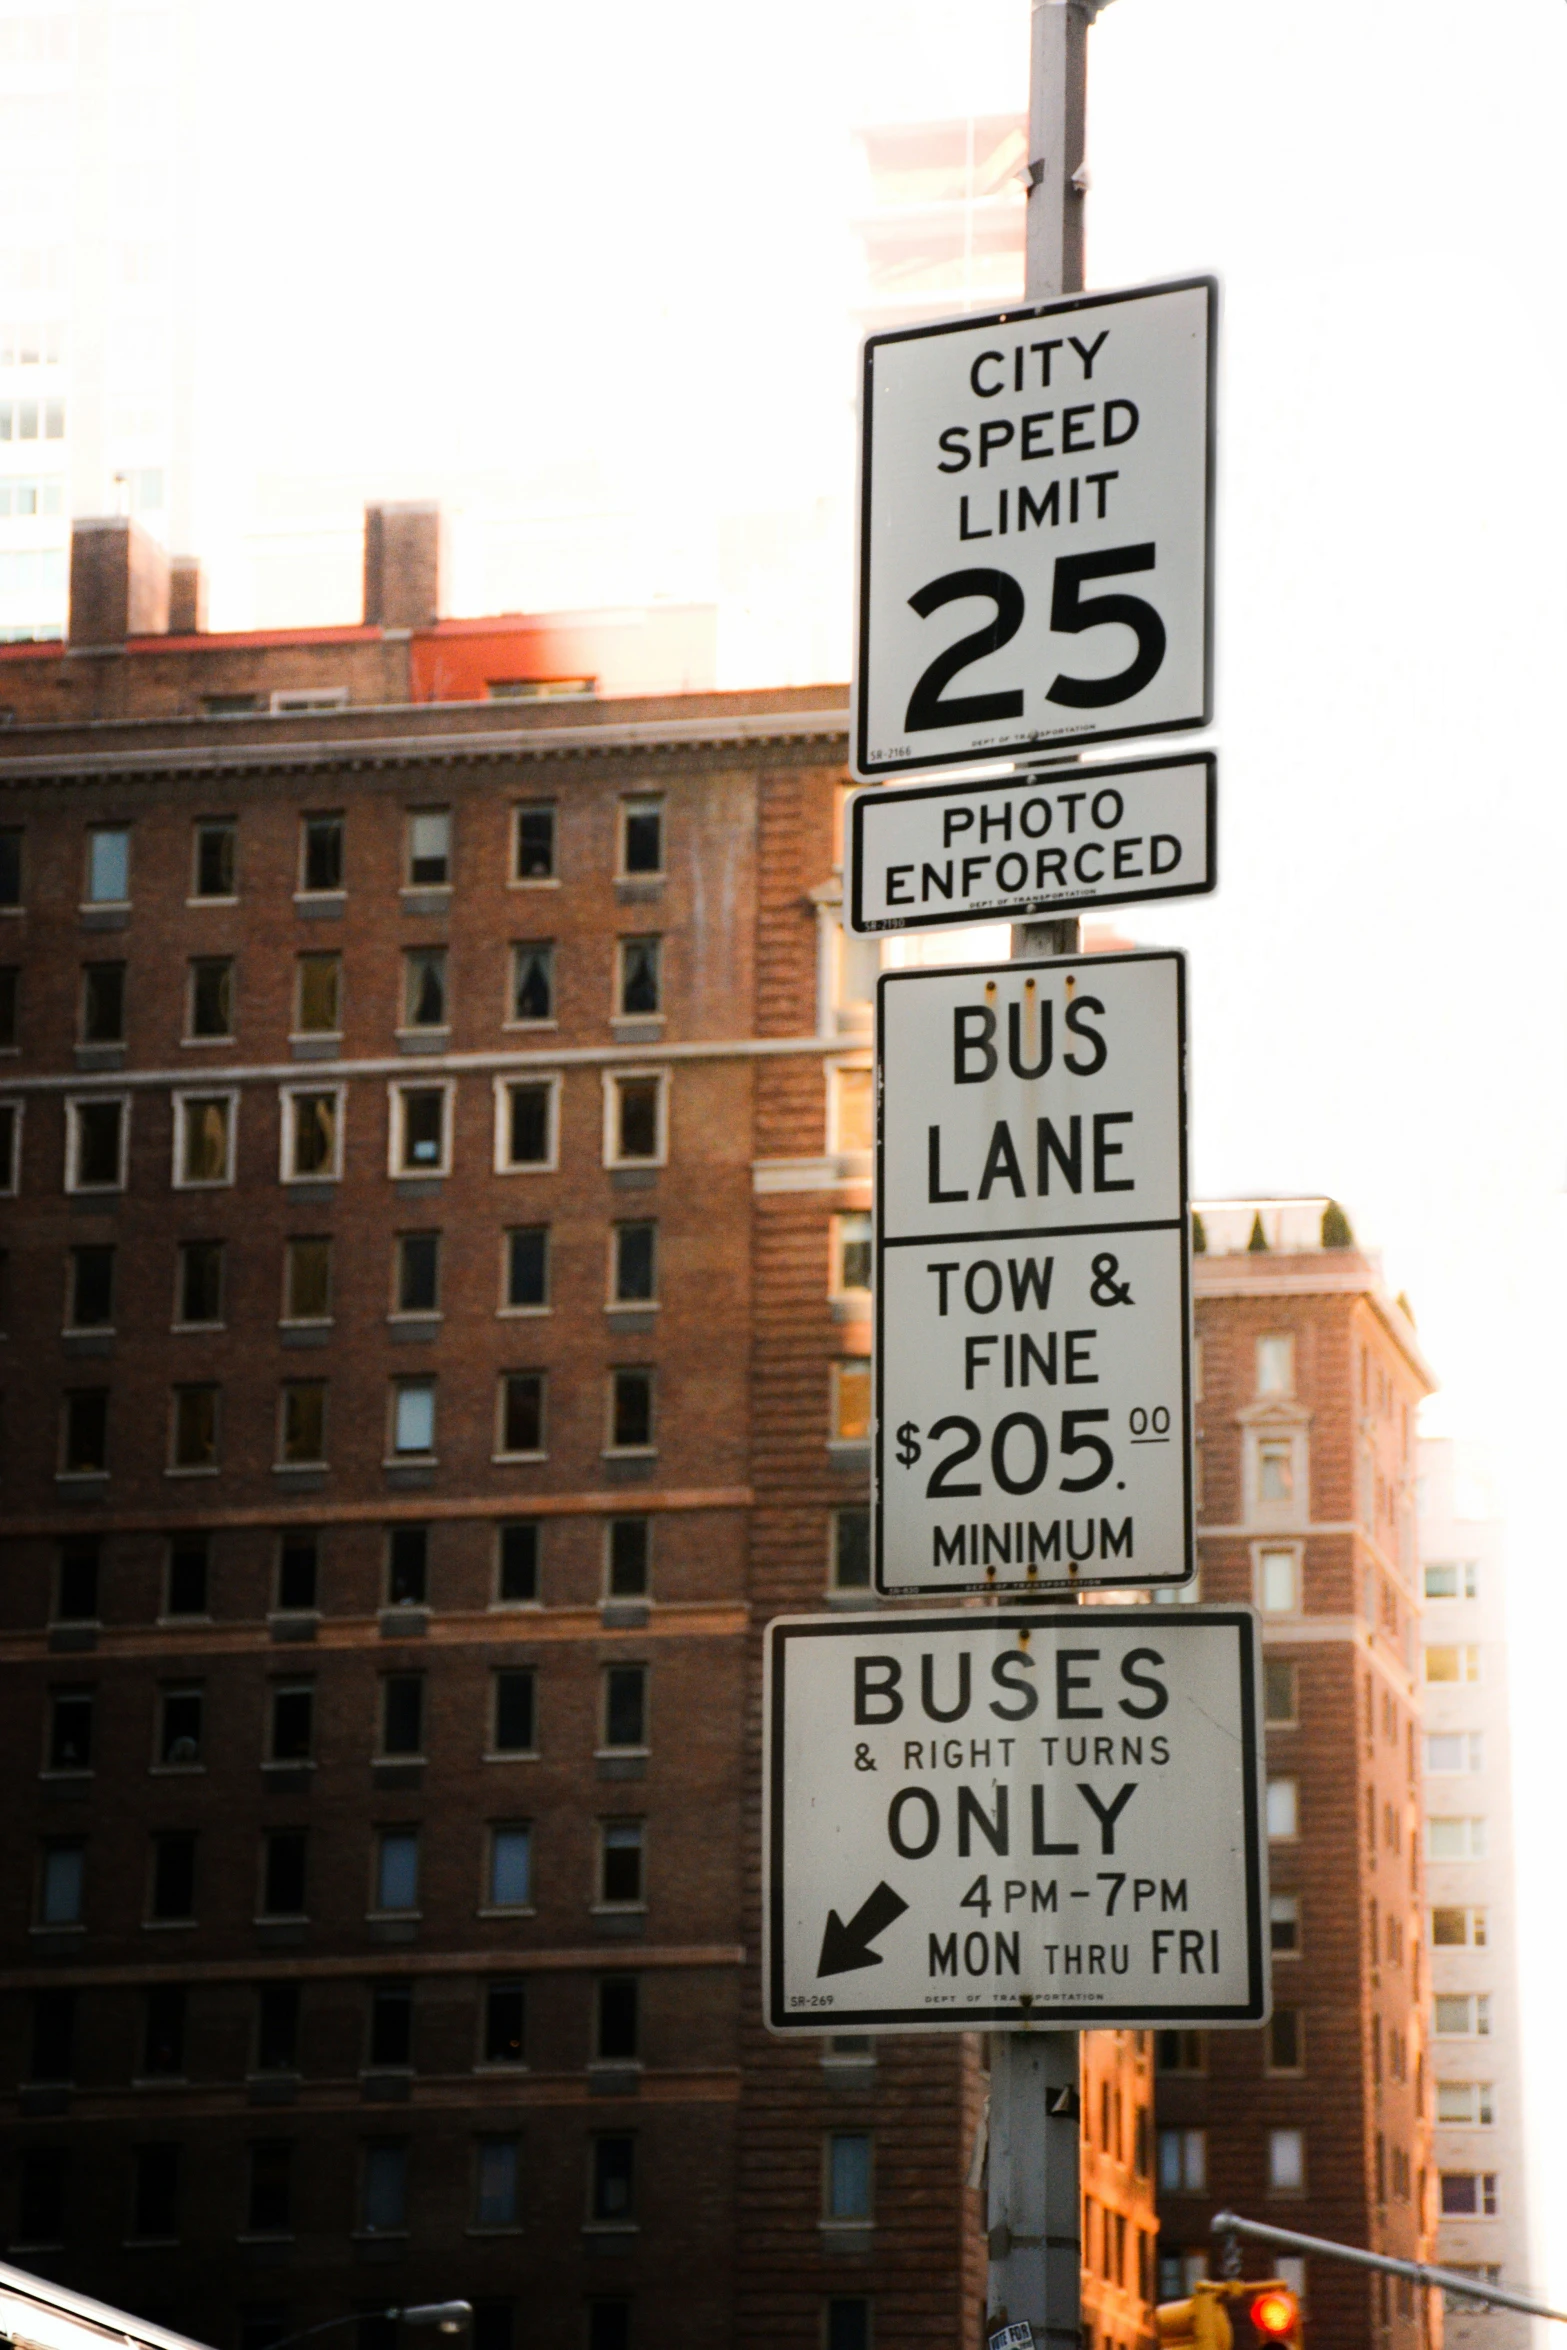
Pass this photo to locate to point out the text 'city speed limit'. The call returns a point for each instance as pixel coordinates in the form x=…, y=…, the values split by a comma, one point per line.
x=1032, y=1421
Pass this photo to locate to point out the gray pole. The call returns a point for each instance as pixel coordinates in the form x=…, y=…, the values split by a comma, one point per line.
x=1034, y=2204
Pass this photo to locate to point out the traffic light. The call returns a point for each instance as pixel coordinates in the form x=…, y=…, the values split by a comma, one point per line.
x=1203, y=2322
x=1275, y=2313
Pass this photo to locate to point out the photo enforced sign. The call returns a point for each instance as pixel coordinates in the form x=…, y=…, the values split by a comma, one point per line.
x=1033, y=1407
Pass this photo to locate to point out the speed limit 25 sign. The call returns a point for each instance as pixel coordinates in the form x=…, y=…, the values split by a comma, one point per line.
x=1032, y=1357
x=1036, y=558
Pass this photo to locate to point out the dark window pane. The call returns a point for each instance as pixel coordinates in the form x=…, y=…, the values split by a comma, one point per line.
x=639, y=960
x=1284, y=2039
x=402, y=1713
x=609, y=2325
x=98, y=1126
x=179, y=1738
x=852, y=1550
x=277, y=2027
x=52, y=2045
x=385, y=2187
x=163, y=2042
x=519, y=1563
x=92, y=1287
x=211, y=998
x=296, y=1571
x=622, y=1863
x=10, y=1002
x=625, y=1705
x=632, y=1413
x=530, y=1125
x=424, y=988
x=268, y=2209
x=201, y=1281
x=644, y=840
x=637, y=1137
x=70, y=1730
x=215, y=860
x=323, y=852
x=527, y=1266
x=407, y=1566
x=613, y=2169
x=424, y=1127
x=514, y=1713
x=283, y=1874
x=533, y=990
x=634, y=1245
x=195, y=1433
x=155, y=2196
x=188, y=1564
x=617, y=2017
x=173, y=1876
x=78, y=1580
x=494, y=2325
x=629, y=1545
x=505, y=2008
x=429, y=848
x=391, y=2024
x=103, y=1003
x=523, y=1429
x=11, y=865
x=87, y=1431
x=293, y=1724
x=418, y=1272
x=535, y=845
x=315, y=1136
x=40, y=2202
x=848, y=2323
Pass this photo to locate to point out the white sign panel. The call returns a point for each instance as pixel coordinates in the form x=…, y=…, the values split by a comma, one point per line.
x=925, y=856
x=1035, y=562
x=1014, y=1815
x=1032, y=1385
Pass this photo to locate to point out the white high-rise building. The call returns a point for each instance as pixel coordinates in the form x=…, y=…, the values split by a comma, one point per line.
x=1482, y=2186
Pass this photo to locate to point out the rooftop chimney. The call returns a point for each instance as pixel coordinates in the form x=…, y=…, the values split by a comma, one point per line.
x=119, y=582
x=403, y=565
x=187, y=596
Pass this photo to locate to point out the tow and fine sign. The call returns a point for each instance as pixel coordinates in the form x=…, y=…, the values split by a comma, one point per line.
x=1036, y=528
x=1033, y=1408
x=992, y=1818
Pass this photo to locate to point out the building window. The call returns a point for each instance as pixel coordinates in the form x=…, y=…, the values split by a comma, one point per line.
x=505, y=2017
x=76, y=1580
x=637, y=989
x=851, y=1400
x=1452, y=1579
x=70, y=1730
x=1286, y=2162
x=851, y=1549
x=1280, y=1693
x=613, y=2178
x=848, y=2322
x=633, y=1264
x=163, y=2033
x=173, y=1890
x=291, y=1723
x=103, y=1003
x=40, y=2201
x=277, y=2027
x=420, y=1129
x=1468, y=2194
x=631, y=1411
x=320, y=855
x=424, y=988
x=402, y=1714
x=851, y=1256
x=204, y=1148
x=297, y=1568
x=179, y=1728
x=416, y=1273
x=1275, y=1469
x=155, y=2180
x=517, y=1564
x=307, y=1278
x=187, y=1575
x=10, y=865
x=1455, y=1929
x=198, y=1294
x=512, y=1712
x=1276, y=1364
x=532, y=985
x=391, y=2026
x=408, y=1566
x=1278, y=1582
x=1183, y=2162
x=84, y=1448
x=397, y=1870
x=89, y=1297
x=318, y=995
x=848, y=2177
x=616, y=2037
x=850, y=1110
x=511, y=1868
x=10, y=1005
x=1455, y=1839
x=10, y=1148
x=283, y=1873
x=527, y=1264
x=1465, y=2015
x=302, y=1424
x=210, y=999
x=1283, y=1810
x=636, y=1114
x=1180, y=2052
x=526, y=1123
x=61, y=1881
x=313, y=1135
x=109, y=865
x=625, y=1707
x=1454, y=1750
x=495, y=2183
x=193, y=1440
x=1286, y=2041
x=1461, y=2104
x=384, y=2189
x=1453, y=1663
x=97, y=1132
x=430, y=848
x=533, y=856
x=267, y=2205
x=641, y=838
x=629, y=1547
x=213, y=863
x=621, y=1864
x=522, y=1414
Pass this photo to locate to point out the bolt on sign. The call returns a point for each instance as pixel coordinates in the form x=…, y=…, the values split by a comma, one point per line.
x=1033, y=1278
x=1035, y=557
x=1002, y=1818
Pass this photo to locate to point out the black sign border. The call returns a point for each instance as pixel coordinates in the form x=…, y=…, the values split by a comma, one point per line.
x=1046, y=746
x=1027, y=908
x=991, y=1588
x=776, y=2014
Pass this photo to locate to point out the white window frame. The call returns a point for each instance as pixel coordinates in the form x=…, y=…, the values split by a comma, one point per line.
x=199, y=825
x=503, y=1085
x=840, y=1364
x=89, y=902
x=296, y=701
x=307, y=817
x=835, y=1286
x=521, y=1371
x=443, y=1026
x=288, y=1321
x=1285, y=1338
x=288, y=1095
x=296, y=1034
x=181, y=1101
x=489, y=1908
x=1283, y=1514
x=529, y=946
x=1277, y=2142
x=600, y=1907
x=641, y=804
x=410, y=887
x=396, y=1092
x=630, y=1452
x=638, y=938
x=514, y=879
x=192, y=964
x=74, y=1103
x=11, y=1171
x=836, y=1146
x=1291, y=1835
x=1295, y=1552
x=612, y=1082
x=511, y=1313
x=427, y=1381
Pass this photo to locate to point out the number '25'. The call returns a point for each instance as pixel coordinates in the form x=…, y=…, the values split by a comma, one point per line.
x=1071, y=613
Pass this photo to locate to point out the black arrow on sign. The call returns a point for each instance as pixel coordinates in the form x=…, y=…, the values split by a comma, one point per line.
x=845, y=1947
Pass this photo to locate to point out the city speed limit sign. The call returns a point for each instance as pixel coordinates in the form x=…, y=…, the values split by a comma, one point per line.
x=1035, y=559
x=1032, y=1389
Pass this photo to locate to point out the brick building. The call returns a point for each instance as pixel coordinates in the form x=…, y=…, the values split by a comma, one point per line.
x=1309, y=1381
x=435, y=1136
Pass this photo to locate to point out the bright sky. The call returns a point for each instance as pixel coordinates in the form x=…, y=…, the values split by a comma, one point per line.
x=598, y=261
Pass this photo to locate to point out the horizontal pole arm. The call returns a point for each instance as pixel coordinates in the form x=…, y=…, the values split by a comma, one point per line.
x=1229, y=2223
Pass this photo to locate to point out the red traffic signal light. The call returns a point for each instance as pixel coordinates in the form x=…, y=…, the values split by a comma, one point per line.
x=1276, y=2315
